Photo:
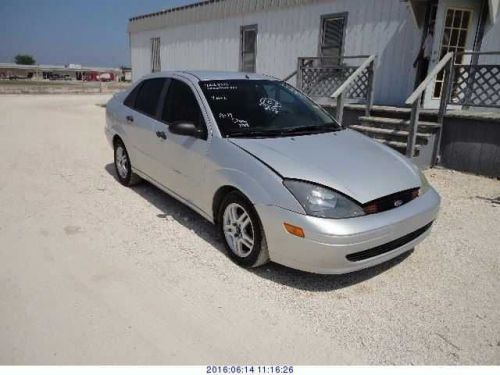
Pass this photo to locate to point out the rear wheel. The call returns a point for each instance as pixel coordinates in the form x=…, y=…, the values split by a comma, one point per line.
x=123, y=167
x=242, y=231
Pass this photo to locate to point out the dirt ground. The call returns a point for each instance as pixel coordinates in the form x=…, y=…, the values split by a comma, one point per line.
x=92, y=272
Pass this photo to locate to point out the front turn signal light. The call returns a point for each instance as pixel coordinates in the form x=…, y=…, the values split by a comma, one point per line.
x=292, y=229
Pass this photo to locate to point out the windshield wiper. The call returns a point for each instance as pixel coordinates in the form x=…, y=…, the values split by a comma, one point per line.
x=257, y=133
x=303, y=130
x=314, y=129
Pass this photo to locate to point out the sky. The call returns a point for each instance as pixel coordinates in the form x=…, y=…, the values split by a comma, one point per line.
x=86, y=32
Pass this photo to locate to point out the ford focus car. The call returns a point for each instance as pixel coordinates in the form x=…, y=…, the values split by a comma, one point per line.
x=277, y=175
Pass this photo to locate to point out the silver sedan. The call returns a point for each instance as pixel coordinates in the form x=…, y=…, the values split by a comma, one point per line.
x=277, y=175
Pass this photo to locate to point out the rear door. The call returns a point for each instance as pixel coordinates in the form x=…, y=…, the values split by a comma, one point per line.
x=141, y=116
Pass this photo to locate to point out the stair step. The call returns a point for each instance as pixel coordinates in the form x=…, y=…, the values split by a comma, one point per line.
x=395, y=144
x=386, y=132
x=397, y=122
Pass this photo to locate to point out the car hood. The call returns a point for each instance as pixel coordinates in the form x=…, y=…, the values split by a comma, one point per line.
x=344, y=160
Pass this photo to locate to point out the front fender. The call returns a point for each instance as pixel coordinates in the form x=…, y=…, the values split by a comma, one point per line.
x=232, y=166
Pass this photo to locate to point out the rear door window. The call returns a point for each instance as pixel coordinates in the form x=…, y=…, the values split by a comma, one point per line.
x=149, y=96
x=130, y=100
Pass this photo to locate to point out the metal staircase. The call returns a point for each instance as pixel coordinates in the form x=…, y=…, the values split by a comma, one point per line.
x=394, y=132
x=350, y=80
x=413, y=137
x=347, y=81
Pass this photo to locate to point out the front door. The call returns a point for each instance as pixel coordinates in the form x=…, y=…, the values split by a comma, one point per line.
x=455, y=29
x=183, y=157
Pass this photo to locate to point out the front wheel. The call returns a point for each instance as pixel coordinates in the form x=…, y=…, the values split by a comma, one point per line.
x=242, y=231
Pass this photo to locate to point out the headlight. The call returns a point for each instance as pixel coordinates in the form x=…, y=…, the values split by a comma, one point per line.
x=424, y=184
x=323, y=202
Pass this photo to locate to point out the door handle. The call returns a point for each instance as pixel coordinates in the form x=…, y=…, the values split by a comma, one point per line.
x=161, y=135
x=130, y=118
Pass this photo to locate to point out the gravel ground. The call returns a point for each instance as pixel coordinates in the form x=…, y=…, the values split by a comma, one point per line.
x=95, y=273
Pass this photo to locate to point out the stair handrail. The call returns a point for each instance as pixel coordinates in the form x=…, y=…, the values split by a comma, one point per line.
x=430, y=76
x=290, y=76
x=339, y=93
x=415, y=101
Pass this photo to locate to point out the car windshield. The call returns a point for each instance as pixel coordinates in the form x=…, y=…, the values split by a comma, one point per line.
x=264, y=108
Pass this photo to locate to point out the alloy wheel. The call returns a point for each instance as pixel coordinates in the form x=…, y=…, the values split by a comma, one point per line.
x=238, y=230
x=122, y=164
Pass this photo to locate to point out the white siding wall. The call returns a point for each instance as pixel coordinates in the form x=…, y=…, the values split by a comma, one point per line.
x=491, y=43
x=382, y=27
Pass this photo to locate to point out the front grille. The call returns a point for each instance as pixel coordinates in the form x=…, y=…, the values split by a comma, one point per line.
x=390, y=201
x=362, y=255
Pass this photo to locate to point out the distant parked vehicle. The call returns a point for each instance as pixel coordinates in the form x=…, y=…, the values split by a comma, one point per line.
x=281, y=179
x=14, y=77
x=55, y=77
x=93, y=76
x=106, y=77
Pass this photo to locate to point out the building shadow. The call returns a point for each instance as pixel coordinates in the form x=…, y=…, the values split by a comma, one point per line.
x=171, y=209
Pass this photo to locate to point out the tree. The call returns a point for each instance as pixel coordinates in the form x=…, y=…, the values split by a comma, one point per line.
x=25, y=60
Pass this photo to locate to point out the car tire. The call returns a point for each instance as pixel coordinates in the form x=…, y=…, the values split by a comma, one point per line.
x=242, y=231
x=123, y=166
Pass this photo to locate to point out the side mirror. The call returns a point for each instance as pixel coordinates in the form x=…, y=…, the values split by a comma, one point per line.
x=184, y=128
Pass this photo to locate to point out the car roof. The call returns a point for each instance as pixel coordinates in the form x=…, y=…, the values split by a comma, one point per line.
x=207, y=75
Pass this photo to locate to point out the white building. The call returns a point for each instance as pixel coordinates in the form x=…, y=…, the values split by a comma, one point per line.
x=268, y=36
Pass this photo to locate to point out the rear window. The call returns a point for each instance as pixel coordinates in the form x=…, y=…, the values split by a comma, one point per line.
x=149, y=96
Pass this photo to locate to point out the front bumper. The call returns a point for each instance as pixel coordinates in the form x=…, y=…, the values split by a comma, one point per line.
x=328, y=242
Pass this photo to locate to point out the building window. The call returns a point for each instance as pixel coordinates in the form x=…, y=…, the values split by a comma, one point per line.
x=331, y=42
x=248, y=48
x=155, y=55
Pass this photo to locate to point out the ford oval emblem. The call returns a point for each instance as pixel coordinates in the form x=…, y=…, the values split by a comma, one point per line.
x=398, y=203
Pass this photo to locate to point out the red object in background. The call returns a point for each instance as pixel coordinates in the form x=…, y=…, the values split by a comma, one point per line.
x=96, y=76
x=91, y=76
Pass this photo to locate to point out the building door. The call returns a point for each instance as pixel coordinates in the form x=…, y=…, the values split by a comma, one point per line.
x=248, y=48
x=455, y=29
x=331, y=43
